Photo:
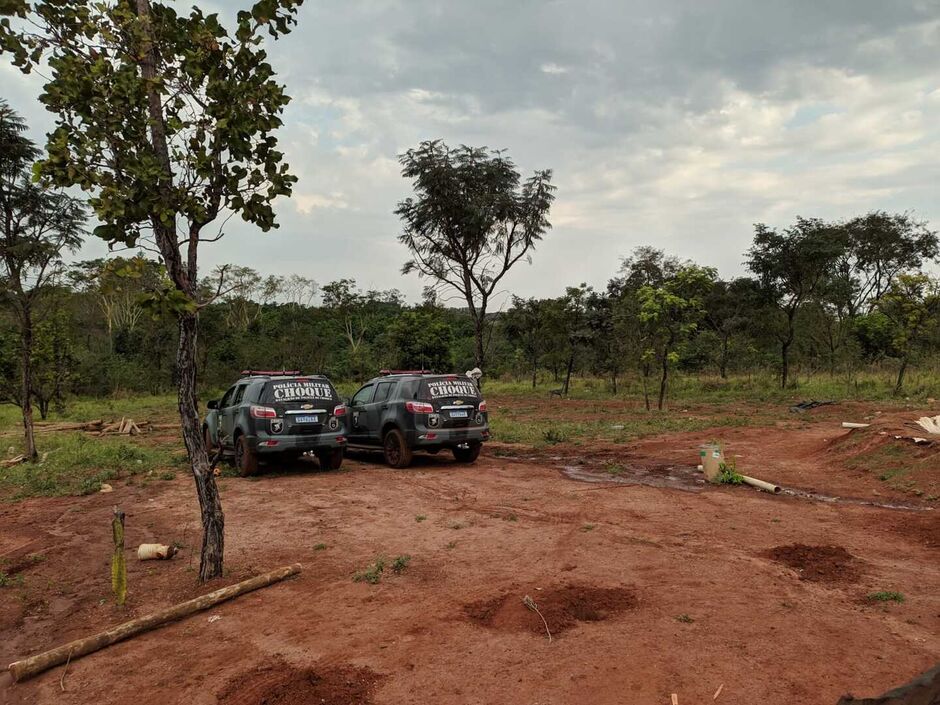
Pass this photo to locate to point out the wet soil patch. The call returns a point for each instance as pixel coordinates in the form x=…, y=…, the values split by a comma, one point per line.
x=562, y=607
x=282, y=684
x=638, y=472
x=820, y=564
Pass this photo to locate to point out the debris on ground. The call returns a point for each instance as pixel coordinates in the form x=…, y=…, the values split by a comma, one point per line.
x=807, y=405
x=931, y=424
x=852, y=424
x=29, y=667
x=156, y=552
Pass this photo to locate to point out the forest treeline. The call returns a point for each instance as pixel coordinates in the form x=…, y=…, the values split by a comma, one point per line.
x=832, y=297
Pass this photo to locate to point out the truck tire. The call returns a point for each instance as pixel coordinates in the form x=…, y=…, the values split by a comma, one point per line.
x=397, y=452
x=469, y=454
x=331, y=459
x=246, y=460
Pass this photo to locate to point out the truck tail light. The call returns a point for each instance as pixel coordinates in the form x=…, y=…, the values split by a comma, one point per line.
x=482, y=406
x=419, y=407
x=339, y=410
x=262, y=412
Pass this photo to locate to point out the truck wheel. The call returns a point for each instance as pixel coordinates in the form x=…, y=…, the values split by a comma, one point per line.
x=469, y=454
x=331, y=459
x=397, y=452
x=246, y=460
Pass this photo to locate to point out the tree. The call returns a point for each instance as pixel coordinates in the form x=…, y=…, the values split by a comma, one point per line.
x=728, y=309
x=421, y=340
x=912, y=305
x=523, y=324
x=879, y=247
x=673, y=311
x=470, y=221
x=793, y=266
x=167, y=120
x=36, y=226
x=53, y=360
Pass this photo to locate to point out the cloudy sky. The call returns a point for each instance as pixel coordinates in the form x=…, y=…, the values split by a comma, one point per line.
x=671, y=123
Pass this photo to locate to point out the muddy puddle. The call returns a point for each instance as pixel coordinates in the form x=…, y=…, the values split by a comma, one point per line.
x=677, y=477
x=636, y=471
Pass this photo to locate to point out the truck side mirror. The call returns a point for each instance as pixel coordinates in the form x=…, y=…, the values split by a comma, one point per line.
x=213, y=404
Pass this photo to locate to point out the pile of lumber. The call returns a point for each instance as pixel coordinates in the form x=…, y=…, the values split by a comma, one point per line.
x=125, y=427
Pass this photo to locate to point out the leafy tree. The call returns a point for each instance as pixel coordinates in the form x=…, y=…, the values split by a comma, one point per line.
x=729, y=308
x=523, y=324
x=421, y=340
x=793, y=266
x=167, y=120
x=118, y=285
x=673, y=311
x=879, y=247
x=36, y=226
x=577, y=326
x=53, y=362
x=912, y=304
x=471, y=219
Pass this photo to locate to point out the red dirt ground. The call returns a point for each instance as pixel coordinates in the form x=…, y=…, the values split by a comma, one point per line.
x=614, y=565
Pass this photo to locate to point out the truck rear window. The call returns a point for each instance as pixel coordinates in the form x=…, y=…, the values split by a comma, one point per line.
x=284, y=390
x=444, y=387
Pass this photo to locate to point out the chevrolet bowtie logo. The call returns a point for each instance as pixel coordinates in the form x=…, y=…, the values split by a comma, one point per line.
x=306, y=406
x=458, y=402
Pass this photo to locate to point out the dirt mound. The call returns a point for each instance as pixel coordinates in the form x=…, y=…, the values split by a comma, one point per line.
x=821, y=564
x=282, y=684
x=562, y=608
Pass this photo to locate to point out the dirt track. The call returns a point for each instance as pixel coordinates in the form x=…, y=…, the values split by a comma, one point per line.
x=650, y=590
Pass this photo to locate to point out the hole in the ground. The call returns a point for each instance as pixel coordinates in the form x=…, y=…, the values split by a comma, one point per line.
x=562, y=607
x=282, y=684
x=822, y=564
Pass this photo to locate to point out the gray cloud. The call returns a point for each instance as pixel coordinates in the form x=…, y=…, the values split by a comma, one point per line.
x=677, y=124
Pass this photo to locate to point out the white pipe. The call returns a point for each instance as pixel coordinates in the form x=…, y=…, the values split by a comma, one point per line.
x=851, y=424
x=760, y=484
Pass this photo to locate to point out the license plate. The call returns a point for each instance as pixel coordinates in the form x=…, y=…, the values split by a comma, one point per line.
x=307, y=419
x=458, y=414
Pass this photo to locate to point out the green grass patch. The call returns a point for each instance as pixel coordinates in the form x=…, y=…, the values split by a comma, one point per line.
x=885, y=596
x=420, y=517
x=372, y=574
x=685, y=619
x=77, y=464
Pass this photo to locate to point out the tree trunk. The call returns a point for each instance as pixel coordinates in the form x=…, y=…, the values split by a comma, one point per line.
x=646, y=388
x=784, y=364
x=900, y=383
x=26, y=382
x=535, y=371
x=663, y=381
x=213, y=521
x=723, y=361
x=568, y=374
x=478, y=352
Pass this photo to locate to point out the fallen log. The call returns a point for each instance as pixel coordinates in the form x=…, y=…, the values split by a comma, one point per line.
x=29, y=667
x=82, y=426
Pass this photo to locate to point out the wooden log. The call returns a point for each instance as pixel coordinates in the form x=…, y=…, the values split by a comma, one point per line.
x=29, y=667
